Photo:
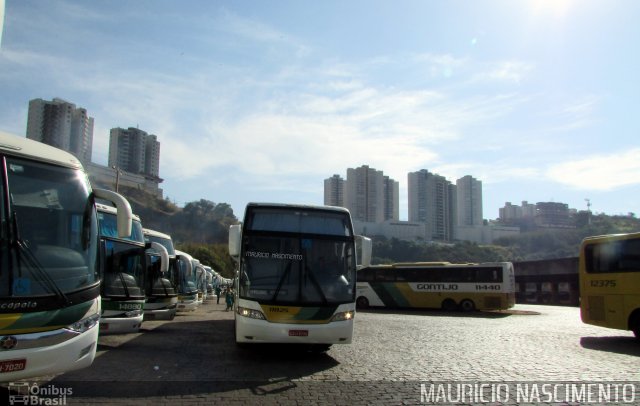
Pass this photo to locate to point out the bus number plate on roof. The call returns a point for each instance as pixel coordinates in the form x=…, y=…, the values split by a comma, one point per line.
x=298, y=333
x=13, y=365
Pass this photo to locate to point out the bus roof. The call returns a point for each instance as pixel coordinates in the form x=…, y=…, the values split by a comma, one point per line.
x=612, y=237
x=434, y=265
x=297, y=206
x=23, y=147
x=184, y=254
x=148, y=231
x=112, y=210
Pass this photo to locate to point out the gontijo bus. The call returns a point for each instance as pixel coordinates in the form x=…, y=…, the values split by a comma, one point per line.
x=187, y=289
x=609, y=269
x=296, y=275
x=49, y=279
x=438, y=285
x=161, y=284
x=123, y=271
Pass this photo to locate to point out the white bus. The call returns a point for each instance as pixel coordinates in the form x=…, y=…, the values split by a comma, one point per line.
x=296, y=275
x=123, y=271
x=187, y=289
x=162, y=284
x=438, y=285
x=49, y=275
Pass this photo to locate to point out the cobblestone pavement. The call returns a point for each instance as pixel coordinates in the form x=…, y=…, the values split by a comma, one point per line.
x=397, y=357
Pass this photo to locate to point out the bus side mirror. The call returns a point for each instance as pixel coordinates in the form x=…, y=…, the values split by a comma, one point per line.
x=164, y=256
x=365, y=250
x=235, y=240
x=124, y=217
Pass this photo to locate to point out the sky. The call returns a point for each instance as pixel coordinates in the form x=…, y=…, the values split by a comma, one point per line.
x=263, y=100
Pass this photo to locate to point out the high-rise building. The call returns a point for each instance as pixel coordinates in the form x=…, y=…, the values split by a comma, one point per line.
x=134, y=151
x=60, y=124
x=334, y=191
x=370, y=196
x=364, y=194
x=432, y=200
x=391, y=199
x=469, y=201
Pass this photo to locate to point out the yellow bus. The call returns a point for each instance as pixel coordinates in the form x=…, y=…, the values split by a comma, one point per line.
x=610, y=281
x=468, y=287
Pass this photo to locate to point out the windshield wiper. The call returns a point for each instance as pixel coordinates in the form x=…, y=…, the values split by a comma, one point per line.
x=315, y=283
x=33, y=263
x=284, y=275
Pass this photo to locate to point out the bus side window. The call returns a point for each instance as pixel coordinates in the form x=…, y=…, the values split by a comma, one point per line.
x=384, y=275
x=629, y=256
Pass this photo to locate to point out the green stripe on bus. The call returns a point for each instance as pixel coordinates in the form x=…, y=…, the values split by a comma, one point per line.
x=50, y=318
x=316, y=313
x=390, y=295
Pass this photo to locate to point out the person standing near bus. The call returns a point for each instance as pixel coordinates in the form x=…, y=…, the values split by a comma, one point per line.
x=229, y=299
x=218, y=294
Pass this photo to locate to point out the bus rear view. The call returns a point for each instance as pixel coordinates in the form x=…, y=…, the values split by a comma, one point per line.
x=296, y=275
x=610, y=281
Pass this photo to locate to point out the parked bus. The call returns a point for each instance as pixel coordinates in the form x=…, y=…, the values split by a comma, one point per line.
x=49, y=274
x=187, y=289
x=296, y=274
x=161, y=298
x=201, y=280
x=610, y=281
x=438, y=285
x=123, y=269
x=162, y=287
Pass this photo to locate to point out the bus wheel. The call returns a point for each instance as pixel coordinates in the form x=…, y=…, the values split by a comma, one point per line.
x=362, y=302
x=635, y=325
x=448, y=305
x=467, y=305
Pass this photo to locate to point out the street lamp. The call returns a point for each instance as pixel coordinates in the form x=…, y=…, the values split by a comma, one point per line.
x=117, y=176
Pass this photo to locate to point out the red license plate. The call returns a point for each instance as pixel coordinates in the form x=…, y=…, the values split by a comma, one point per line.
x=298, y=333
x=13, y=365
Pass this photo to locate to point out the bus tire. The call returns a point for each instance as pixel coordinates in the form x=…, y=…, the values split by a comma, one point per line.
x=467, y=305
x=634, y=324
x=449, y=305
x=362, y=302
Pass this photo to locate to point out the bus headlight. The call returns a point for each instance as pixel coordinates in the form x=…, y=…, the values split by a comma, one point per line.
x=85, y=324
x=343, y=316
x=251, y=313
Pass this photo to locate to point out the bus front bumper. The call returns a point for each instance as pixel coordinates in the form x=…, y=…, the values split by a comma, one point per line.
x=187, y=306
x=250, y=330
x=120, y=325
x=75, y=353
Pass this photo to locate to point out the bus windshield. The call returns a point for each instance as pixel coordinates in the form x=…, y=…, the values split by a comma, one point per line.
x=297, y=257
x=124, y=259
x=109, y=228
x=48, y=244
x=165, y=242
x=123, y=270
x=187, y=283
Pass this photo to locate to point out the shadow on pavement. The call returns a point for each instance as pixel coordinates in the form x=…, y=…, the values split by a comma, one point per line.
x=443, y=313
x=190, y=358
x=619, y=345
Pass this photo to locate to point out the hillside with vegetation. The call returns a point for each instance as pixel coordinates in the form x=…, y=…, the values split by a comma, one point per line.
x=531, y=245
x=201, y=229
